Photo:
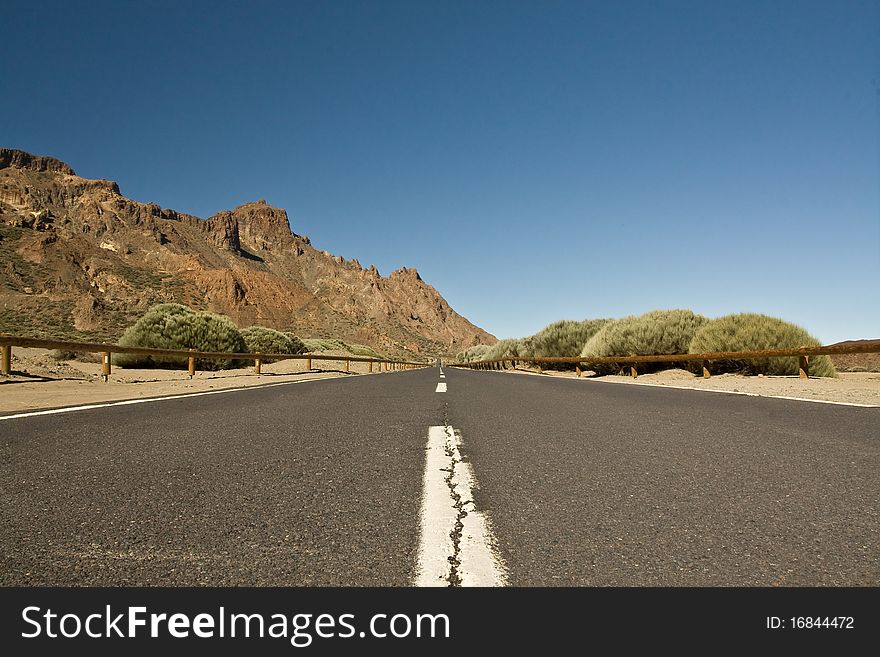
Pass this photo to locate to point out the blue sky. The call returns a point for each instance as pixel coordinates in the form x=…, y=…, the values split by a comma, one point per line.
x=534, y=160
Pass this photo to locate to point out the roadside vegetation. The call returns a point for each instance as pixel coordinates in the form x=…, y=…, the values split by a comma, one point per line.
x=175, y=326
x=330, y=344
x=269, y=341
x=752, y=332
x=677, y=331
x=655, y=332
x=477, y=352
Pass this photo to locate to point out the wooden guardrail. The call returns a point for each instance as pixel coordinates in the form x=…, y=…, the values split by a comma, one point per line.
x=803, y=354
x=7, y=342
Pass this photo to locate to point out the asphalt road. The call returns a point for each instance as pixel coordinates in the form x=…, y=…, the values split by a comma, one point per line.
x=315, y=483
x=320, y=483
x=601, y=484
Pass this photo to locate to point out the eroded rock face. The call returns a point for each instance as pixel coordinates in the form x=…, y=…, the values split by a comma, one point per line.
x=262, y=227
x=97, y=259
x=11, y=157
x=222, y=231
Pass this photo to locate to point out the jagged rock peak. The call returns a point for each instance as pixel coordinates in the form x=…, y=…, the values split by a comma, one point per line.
x=406, y=272
x=12, y=157
x=259, y=226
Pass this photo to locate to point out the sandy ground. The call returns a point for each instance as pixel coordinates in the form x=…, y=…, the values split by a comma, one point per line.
x=39, y=381
x=850, y=387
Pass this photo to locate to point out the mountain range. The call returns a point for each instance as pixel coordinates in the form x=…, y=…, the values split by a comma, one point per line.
x=79, y=260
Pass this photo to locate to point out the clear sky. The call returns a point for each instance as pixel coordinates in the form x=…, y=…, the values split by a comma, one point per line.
x=534, y=160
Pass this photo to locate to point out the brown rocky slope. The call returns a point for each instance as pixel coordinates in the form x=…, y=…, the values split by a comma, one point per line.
x=80, y=260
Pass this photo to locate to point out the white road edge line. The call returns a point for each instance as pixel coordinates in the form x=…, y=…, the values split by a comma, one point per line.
x=145, y=400
x=441, y=387
x=476, y=561
x=726, y=392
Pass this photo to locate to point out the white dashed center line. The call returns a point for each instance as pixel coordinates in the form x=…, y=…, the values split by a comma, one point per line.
x=441, y=387
x=456, y=546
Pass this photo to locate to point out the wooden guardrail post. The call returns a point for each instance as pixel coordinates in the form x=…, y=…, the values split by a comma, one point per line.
x=706, y=372
x=6, y=366
x=348, y=365
x=577, y=370
x=191, y=365
x=804, y=367
x=105, y=365
x=309, y=363
x=257, y=364
x=632, y=371
x=371, y=367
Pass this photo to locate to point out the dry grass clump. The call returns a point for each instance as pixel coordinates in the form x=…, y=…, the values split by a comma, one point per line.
x=477, y=352
x=503, y=348
x=175, y=326
x=562, y=339
x=655, y=332
x=753, y=332
x=269, y=341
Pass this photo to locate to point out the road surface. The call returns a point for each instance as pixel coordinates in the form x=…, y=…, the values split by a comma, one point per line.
x=545, y=482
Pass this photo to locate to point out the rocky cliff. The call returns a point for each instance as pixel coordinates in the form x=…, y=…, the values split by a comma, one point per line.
x=79, y=259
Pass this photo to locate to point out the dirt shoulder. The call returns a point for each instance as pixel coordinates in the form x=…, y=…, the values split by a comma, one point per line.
x=849, y=387
x=39, y=381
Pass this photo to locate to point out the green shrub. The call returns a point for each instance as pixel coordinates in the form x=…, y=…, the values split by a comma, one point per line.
x=174, y=326
x=753, y=332
x=562, y=339
x=269, y=341
x=477, y=352
x=565, y=338
x=502, y=349
x=323, y=344
x=655, y=332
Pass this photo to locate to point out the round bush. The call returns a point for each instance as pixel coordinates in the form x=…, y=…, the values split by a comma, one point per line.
x=753, y=332
x=174, y=326
x=504, y=348
x=655, y=332
x=269, y=341
x=477, y=352
x=562, y=339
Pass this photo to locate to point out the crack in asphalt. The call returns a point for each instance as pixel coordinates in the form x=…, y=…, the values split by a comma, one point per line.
x=454, y=578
